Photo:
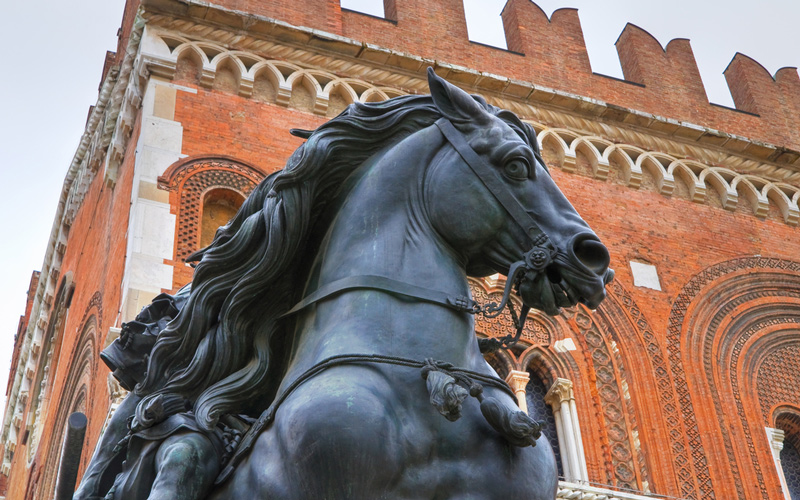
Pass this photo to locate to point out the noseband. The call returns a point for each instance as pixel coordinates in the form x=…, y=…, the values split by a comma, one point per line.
x=533, y=262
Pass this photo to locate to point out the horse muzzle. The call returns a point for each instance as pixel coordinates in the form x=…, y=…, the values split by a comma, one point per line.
x=549, y=279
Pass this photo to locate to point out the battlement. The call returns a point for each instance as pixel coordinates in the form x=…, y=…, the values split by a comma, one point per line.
x=551, y=52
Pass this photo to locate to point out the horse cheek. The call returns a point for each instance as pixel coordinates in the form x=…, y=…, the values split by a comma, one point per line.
x=465, y=214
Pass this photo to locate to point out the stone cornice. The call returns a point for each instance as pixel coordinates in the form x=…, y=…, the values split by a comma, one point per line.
x=406, y=71
x=706, y=173
x=569, y=490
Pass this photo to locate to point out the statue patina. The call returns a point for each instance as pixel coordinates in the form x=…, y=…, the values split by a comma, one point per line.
x=325, y=347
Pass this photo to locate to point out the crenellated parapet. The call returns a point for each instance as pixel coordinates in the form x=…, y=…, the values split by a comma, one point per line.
x=756, y=91
x=549, y=52
x=683, y=166
x=670, y=71
x=531, y=33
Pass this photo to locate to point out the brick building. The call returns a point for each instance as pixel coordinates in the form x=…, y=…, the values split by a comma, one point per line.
x=685, y=383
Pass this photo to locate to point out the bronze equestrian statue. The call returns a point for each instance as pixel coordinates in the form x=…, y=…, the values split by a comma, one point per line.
x=326, y=349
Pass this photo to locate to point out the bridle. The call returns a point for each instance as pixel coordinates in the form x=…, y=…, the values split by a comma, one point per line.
x=533, y=262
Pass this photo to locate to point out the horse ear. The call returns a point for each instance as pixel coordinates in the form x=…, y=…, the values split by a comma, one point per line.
x=455, y=104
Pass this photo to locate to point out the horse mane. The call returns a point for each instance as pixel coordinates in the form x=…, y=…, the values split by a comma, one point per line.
x=219, y=353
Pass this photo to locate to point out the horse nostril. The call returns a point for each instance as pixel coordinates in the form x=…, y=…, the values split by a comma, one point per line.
x=592, y=254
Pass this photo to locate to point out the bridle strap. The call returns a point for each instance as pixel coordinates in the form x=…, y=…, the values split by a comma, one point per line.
x=458, y=303
x=489, y=177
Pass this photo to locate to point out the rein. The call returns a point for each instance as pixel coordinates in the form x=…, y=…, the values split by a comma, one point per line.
x=469, y=379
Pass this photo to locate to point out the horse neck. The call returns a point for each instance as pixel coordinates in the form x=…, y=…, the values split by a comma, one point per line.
x=382, y=229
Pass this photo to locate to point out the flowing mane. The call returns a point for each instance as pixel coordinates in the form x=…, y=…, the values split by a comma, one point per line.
x=223, y=353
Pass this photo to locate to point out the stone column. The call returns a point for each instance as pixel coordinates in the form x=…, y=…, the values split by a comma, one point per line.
x=775, y=438
x=576, y=429
x=561, y=399
x=519, y=381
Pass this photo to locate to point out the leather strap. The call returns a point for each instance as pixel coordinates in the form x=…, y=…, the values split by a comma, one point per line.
x=493, y=183
x=458, y=303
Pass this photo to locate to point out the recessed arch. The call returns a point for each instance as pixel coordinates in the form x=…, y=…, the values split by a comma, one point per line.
x=77, y=395
x=711, y=321
x=191, y=179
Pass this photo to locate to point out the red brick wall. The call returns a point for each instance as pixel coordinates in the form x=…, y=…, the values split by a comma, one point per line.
x=95, y=256
x=682, y=239
x=555, y=56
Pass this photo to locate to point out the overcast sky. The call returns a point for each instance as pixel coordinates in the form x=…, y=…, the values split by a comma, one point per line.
x=54, y=56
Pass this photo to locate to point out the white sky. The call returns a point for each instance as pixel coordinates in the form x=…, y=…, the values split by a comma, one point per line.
x=54, y=55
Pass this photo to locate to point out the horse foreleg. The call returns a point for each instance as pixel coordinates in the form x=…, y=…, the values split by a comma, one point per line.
x=105, y=463
x=186, y=466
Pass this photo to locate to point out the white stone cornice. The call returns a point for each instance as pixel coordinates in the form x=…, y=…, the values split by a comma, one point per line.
x=583, y=491
x=259, y=34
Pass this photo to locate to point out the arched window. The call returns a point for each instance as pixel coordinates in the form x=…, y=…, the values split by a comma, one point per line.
x=219, y=206
x=208, y=192
x=540, y=411
x=790, y=461
x=785, y=443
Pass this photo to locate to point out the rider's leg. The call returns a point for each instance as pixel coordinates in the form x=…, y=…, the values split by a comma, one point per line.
x=187, y=465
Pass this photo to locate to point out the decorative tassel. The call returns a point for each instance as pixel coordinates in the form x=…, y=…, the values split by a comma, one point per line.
x=445, y=394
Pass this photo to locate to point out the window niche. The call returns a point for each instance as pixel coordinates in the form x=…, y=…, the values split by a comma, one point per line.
x=540, y=410
x=219, y=207
x=784, y=442
x=209, y=191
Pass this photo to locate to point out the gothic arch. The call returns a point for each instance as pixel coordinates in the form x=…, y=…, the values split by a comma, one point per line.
x=190, y=179
x=78, y=395
x=724, y=324
x=603, y=339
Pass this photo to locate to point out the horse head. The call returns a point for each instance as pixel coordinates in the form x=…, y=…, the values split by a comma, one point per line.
x=497, y=205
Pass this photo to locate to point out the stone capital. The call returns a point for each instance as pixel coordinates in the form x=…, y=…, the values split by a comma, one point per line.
x=560, y=391
x=518, y=380
x=775, y=437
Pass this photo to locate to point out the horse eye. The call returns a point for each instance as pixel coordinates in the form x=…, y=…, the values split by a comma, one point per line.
x=517, y=169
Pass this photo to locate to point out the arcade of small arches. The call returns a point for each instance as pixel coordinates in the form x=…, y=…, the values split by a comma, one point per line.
x=324, y=93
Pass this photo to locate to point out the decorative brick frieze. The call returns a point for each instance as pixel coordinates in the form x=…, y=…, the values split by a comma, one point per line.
x=703, y=180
